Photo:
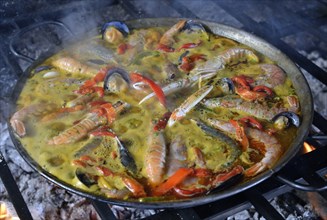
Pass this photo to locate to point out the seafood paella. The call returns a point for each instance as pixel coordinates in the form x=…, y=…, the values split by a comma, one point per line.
x=160, y=113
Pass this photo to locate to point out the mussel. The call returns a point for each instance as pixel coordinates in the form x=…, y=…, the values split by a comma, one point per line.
x=285, y=119
x=114, y=31
x=116, y=80
x=85, y=178
x=42, y=68
x=227, y=85
x=194, y=26
x=125, y=157
x=233, y=149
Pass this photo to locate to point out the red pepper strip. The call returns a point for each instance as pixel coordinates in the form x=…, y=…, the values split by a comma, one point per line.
x=265, y=89
x=172, y=181
x=161, y=124
x=136, y=77
x=87, y=158
x=97, y=102
x=252, y=122
x=79, y=163
x=223, y=177
x=189, y=192
x=135, y=187
x=99, y=77
x=197, y=56
x=121, y=49
x=202, y=173
x=104, y=171
x=240, y=134
x=87, y=84
x=99, y=90
x=189, y=45
x=165, y=48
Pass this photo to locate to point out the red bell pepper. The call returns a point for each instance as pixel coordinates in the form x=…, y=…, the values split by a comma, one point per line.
x=161, y=124
x=165, y=48
x=172, y=181
x=189, y=45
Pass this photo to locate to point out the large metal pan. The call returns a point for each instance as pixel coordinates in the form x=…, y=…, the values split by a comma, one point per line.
x=300, y=85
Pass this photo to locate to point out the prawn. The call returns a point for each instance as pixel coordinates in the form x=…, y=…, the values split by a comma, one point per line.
x=272, y=77
x=72, y=65
x=89, y=123
x=188, y=104
x=155, y=157
x=177, y=157
x=18, y=118
x=235, y=104
x=167, y=38
x=225, y=58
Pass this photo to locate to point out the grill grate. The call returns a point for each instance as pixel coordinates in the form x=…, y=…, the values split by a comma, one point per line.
x=266, y=20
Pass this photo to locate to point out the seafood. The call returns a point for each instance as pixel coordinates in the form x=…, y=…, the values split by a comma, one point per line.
x=18, y=118
x=232, y=148
x=116, y=80
x=97, y=51
x=284, y=119
x=73, y=66
x=167, y=38
x=125, y=156
x=235, y=54
x=106, y=135
x=191, y=25
x=272, y=148
x=188, y=104
x=155, y=157
x=85, y=178
x=272, y=77
x=89, y=123
x=114, y=31
x=179, y=84
x=177, y=157
x=236, y=104
x=86, y=149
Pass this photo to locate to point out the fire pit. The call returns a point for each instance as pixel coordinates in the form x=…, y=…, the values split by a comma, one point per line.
x=300, y=35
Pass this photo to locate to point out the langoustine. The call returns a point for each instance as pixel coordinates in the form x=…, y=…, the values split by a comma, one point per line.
x=89, y=123
x=18, y=118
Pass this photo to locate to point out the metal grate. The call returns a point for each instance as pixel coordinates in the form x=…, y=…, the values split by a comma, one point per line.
x=265, y=19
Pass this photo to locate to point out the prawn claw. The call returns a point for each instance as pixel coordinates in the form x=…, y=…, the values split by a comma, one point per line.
x=188, y=104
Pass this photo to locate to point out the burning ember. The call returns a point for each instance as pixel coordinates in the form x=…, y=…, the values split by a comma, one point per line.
x=4, y=214
x=307, y=147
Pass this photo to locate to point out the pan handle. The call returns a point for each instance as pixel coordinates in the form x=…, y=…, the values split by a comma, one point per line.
x=321, y=186
x=20, y=33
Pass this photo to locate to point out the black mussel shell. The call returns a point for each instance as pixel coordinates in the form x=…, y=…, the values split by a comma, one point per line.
x=291, y=116
x=87, y=179
x=121, y=26
x=115, y=71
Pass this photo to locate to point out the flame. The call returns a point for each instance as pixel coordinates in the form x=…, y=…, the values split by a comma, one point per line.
x=307, y=147
x=4, y=215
